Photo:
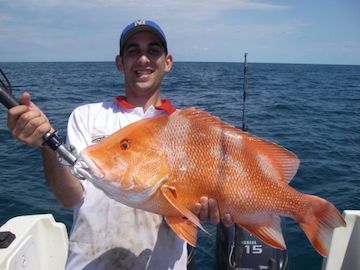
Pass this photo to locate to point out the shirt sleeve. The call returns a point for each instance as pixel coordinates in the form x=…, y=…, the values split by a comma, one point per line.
x=78, y=135
x=78, y=129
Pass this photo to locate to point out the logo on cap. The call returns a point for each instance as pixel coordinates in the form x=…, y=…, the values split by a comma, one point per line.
x=141, y=25
x=139, y=22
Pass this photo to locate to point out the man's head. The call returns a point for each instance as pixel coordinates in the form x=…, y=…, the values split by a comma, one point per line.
x=142, y=26
x=143, y=59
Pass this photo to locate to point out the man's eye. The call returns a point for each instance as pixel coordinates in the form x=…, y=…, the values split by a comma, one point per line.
x=132, y=51
x=155, y=51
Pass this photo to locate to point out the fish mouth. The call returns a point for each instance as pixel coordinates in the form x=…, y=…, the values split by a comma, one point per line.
x=88, y=168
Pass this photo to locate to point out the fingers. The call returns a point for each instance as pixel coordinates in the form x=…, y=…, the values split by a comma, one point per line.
x=227, y=220
x=29, y=127
x=25, y=99
x=214, y=213
x=14, y=114
x=27, y=123
x=204, y=212
x=197, y=209
x=208, y=210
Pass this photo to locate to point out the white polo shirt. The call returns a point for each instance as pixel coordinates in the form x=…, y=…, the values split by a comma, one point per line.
x=107, y=234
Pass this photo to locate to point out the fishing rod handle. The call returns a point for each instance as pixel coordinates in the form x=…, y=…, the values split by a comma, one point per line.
x=50, y=138
x=7, y=99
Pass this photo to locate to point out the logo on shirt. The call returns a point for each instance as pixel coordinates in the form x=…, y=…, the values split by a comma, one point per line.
x=96, y=139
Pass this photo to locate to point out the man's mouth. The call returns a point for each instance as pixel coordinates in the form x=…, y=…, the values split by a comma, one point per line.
x=143, y=74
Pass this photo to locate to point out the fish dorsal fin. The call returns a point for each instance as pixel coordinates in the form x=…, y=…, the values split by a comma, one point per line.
x=173, y=198
x=274, y=159
x=203, y=118
x=183, y=228
x=270, y=232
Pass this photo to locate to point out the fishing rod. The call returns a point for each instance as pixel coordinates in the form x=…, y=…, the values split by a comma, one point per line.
x=236, y=249
x=245, y=85
x=66, y=153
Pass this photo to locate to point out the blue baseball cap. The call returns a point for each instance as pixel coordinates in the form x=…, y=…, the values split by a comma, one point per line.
x=142, y=26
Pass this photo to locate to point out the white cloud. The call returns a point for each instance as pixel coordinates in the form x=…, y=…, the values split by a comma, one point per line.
x=244, y=4
x=196, y=29
x=5, y=17
x=155, y=6
x=270, y=29
x=191, y=5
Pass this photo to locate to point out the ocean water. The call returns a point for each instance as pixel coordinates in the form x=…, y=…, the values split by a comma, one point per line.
x=313, y=110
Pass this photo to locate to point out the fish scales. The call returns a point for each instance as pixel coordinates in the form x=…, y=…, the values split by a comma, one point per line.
x=221, y=162
x=165, y=164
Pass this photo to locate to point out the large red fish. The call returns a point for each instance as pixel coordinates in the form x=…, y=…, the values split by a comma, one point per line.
x=165, y=164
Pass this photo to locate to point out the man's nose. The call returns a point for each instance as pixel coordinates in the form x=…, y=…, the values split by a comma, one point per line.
x=143, y=58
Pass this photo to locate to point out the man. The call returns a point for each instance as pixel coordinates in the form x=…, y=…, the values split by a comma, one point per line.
x=106, y=234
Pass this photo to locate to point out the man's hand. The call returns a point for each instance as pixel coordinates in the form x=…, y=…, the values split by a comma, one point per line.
x=27, y=122
x=207, y=210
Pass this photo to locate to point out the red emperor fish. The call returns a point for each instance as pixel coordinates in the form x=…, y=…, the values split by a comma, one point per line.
x=166, y=163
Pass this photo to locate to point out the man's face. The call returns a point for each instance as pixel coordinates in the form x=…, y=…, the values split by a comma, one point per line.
x=144, y=63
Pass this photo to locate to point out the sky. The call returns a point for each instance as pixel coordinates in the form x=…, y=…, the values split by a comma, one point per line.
x=292, y=31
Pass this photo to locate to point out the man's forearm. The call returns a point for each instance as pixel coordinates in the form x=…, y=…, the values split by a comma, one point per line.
x=67, y=189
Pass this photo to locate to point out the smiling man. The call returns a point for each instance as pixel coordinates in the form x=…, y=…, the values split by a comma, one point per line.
x=106, y=234
x=144, y=61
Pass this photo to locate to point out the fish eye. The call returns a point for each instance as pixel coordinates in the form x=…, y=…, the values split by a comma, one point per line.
x=125, y=144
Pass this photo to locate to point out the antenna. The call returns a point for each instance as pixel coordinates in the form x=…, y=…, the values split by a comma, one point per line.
x=244, y=91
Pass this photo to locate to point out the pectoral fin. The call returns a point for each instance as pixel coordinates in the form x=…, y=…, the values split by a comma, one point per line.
x=171, y=195
x=183, y=228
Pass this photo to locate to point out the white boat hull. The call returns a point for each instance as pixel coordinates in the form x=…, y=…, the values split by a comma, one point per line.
x=41, y=243
x=345, y=244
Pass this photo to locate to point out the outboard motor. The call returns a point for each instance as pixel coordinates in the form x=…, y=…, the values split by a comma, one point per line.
x=237, y=249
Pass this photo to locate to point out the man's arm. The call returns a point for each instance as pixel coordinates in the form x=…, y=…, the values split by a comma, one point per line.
x=66, y=188
x=28, y=124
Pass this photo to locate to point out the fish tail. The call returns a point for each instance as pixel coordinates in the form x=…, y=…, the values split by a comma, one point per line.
x=319, y=223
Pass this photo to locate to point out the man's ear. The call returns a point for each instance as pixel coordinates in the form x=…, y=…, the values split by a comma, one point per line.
x=168, y=62
x=118, y=62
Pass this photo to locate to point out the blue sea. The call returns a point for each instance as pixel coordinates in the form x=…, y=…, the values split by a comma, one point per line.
x=312, y=110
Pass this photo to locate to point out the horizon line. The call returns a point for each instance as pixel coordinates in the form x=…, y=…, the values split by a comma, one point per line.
x=179, y=61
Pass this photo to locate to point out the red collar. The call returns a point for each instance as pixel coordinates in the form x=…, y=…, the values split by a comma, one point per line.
x=164, y=106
